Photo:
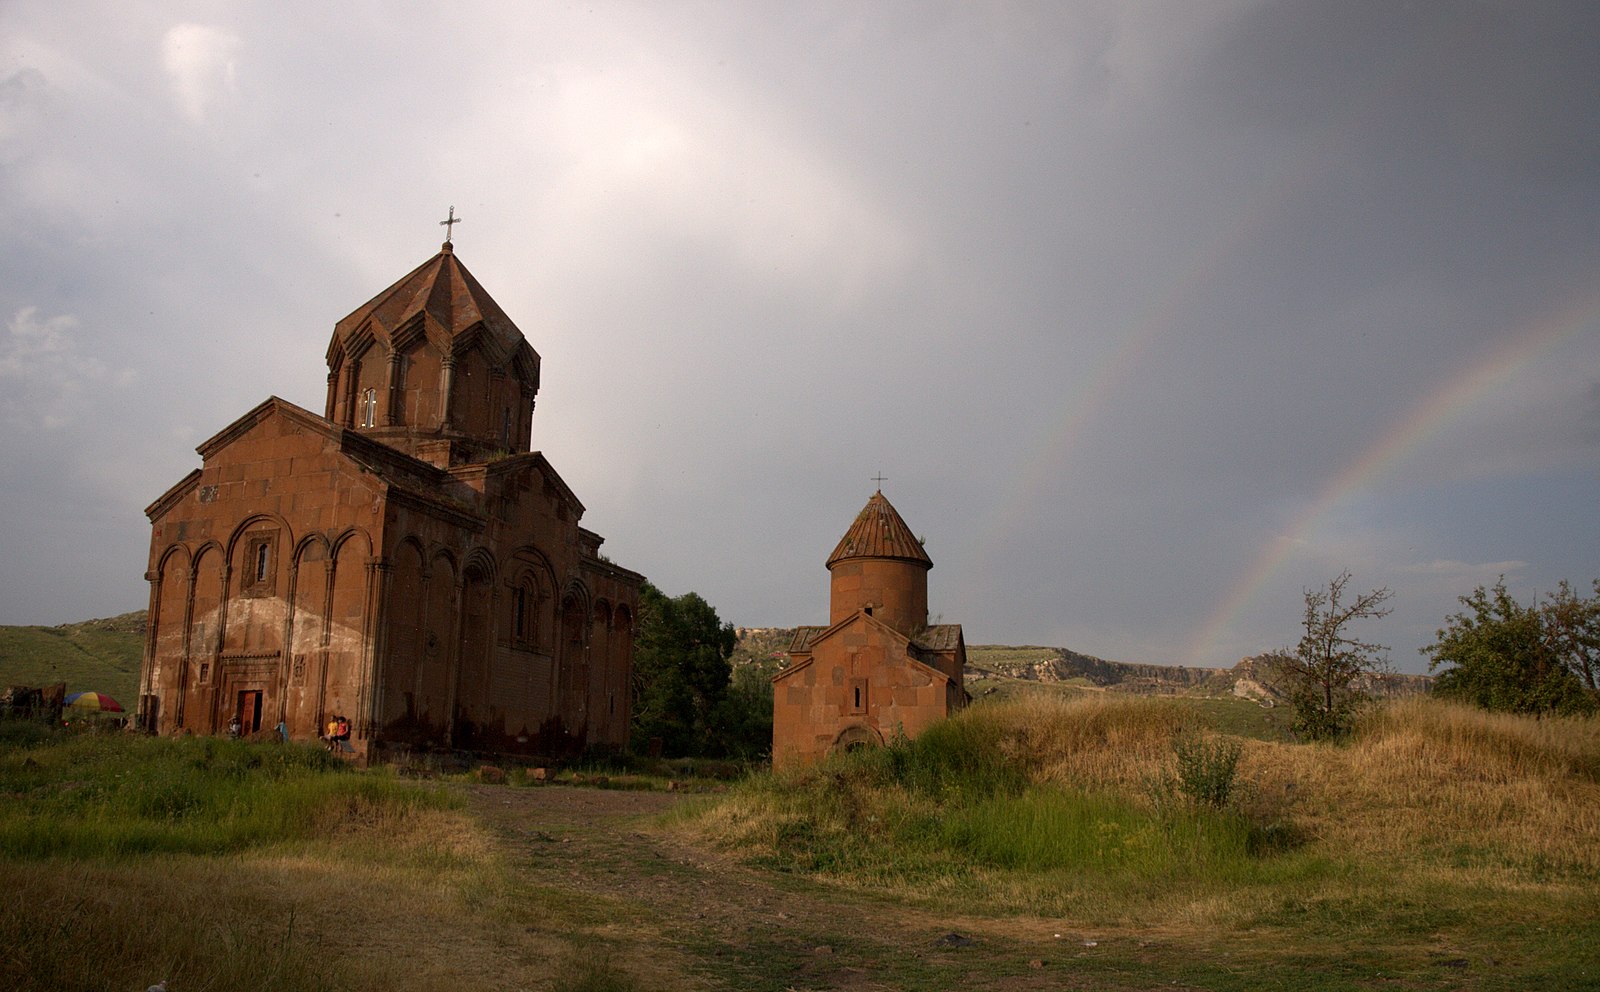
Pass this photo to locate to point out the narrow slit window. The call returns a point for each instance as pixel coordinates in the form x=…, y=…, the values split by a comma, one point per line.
x=263, y=558
x=369, y=408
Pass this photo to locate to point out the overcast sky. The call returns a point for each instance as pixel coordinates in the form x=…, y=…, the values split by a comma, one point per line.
x=1152, y=314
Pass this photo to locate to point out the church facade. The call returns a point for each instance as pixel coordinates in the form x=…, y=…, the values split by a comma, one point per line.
x=878, y=669
x=404, y=560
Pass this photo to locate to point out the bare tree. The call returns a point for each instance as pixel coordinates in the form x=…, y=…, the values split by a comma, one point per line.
x=1572, y=632
x=1325, y=676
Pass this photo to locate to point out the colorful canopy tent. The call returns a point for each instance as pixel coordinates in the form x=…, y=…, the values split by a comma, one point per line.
x=94, y=702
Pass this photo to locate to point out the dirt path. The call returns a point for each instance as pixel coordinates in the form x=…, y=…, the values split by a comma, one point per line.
x=735, y=927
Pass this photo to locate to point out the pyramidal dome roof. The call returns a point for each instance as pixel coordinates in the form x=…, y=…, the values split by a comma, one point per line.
x=439, y=299
x=879, y=532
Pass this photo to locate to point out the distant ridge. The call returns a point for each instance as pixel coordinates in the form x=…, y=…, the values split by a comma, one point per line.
x=989, y=665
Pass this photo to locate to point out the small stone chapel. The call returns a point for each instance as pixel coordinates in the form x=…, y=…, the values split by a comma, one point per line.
x=405, y=560
x=878, y=669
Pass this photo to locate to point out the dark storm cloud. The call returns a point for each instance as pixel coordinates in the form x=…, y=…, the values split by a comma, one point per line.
x=1508, y=85
x=1119, y=296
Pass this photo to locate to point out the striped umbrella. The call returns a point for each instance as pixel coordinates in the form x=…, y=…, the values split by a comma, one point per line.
x=93, y=701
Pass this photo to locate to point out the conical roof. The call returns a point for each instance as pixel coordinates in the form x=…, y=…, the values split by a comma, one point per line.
x=878, y=532
x=443, y=301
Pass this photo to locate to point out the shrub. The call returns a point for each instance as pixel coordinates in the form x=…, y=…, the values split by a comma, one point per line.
x=1206, y=769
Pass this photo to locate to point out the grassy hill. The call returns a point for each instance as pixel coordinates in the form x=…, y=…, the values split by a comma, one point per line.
x=102, y=655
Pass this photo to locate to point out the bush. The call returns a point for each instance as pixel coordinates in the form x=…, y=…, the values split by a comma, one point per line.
x=1206, y=769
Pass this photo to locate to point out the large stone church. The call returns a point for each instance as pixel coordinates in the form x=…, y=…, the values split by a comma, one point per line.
x=404, y=560
x=878, y=669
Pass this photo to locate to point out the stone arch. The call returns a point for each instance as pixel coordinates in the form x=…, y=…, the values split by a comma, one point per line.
x=251, y=520
x=209, y=551
x=205, y=628
x=546, y=602
x=347, y=626
x=305, y=657
x=404, y=638
x=522, y=626
x=169, y=617
x=573, y=649
x=349, y=534
x=856, y=737
x=475, y=651
x=576, y=593
x=437, y=554
x=441, y=587
x=257, y=595
x=174, y=551
x=258, y=569
x=313, y=546
x=621, y=672
x=605, y=684
x=482, y=561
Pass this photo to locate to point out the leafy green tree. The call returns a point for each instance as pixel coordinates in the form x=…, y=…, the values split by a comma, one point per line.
x=1325, y=676
x=1521, y=659
x=742, y=723
x=680, y=673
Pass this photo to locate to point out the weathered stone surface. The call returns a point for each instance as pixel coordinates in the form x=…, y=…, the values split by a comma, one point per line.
x=878, y=670
x=405, y=560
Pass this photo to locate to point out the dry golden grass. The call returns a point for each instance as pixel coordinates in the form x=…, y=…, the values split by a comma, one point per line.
x=1420, y=775
x=1094, y=742
x=1423, y=776
x=1431, y=812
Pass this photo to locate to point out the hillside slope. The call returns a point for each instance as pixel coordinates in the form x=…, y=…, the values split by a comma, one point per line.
x=102, y=655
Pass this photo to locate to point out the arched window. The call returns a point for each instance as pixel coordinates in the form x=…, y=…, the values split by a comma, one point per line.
x=369, y=408
x=525, y=612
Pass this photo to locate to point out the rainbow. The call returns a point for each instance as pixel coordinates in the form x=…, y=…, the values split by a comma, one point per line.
x=1421, y=423
x=1312, y=161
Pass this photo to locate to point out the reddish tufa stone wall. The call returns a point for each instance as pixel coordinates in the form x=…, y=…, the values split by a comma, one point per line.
x=878, y=670
x=859, y=686
x=259, y=583
x=894, y=591
x=424, y=575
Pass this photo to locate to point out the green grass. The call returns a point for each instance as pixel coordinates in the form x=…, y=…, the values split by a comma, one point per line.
x=116, y=796
x=99, y=655
x=259, y=866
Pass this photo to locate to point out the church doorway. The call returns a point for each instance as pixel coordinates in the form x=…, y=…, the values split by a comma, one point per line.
x=248, y=711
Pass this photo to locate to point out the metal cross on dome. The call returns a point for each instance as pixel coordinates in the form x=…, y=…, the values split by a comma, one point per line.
x=450, y=222
x=880, y=480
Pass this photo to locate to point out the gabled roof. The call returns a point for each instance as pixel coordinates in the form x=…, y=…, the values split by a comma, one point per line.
x=878, y=532
x=807, y=638
x=938, y=638
x=443, y=301
x=411, y=480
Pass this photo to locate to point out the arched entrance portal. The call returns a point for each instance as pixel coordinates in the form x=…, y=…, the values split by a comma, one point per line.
x=856, y=737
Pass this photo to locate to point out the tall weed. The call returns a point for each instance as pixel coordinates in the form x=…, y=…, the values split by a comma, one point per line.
x=1206, y=769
